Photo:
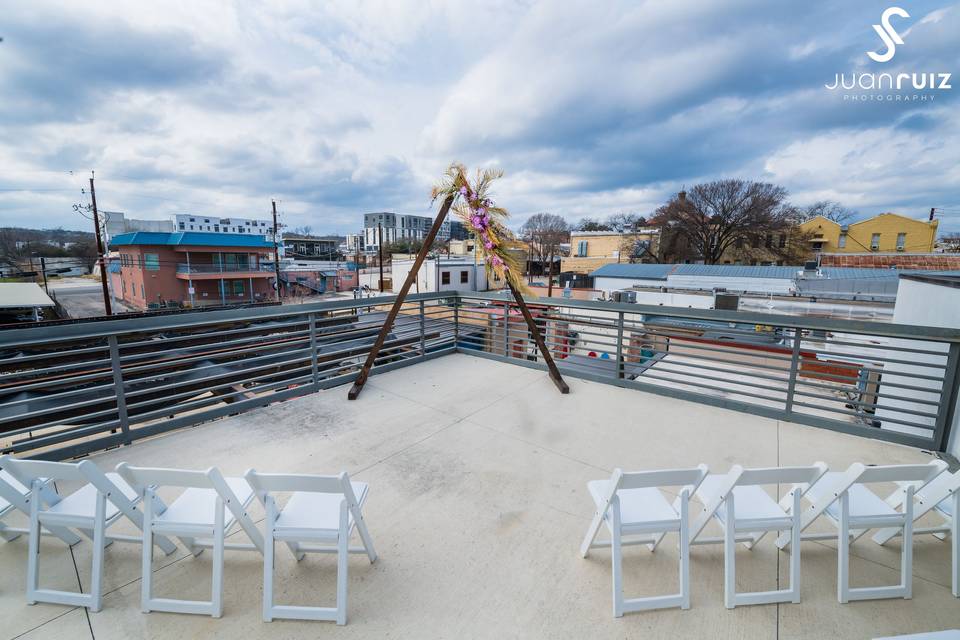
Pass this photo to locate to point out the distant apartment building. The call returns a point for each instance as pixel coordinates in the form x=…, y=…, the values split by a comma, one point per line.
x=884, y=233
x=310, y=247
x=354, y=244
x=590, y=250
x=214, y=224
x=191, y=269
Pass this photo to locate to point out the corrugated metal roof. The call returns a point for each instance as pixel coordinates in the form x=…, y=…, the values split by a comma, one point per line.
x=189, y=238
x=661, y=271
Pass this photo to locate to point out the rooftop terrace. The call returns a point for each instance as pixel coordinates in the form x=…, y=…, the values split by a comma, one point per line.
x=478, y=505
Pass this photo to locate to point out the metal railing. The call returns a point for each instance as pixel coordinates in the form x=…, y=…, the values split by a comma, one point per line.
x=183, y=267
x=69, y=390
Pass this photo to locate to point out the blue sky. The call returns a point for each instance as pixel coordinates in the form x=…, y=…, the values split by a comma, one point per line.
x=337, y=108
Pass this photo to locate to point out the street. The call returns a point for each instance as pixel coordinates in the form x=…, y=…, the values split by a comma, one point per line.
x=79, y=297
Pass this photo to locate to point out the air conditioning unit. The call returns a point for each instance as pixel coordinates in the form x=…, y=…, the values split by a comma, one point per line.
x=874, y=247
x=726, y=301
x=624, y=296
x=899, y=248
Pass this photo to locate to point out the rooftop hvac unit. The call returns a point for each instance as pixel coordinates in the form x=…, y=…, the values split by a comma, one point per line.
x=726, y=301
x=624, y=296
x=810, y=265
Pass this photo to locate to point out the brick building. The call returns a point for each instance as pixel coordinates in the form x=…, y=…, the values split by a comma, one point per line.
x=926, y=261
x=191, y=269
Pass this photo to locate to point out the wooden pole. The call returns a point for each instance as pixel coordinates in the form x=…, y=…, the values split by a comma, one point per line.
x=537, y=338
x=395, y=309
x=101, y=254
x=276, y=250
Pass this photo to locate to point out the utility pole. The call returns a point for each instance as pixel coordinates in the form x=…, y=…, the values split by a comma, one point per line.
x=932, y=211
x=43, y=269
x=380, y=252
x=101, y=257
x=276, y=250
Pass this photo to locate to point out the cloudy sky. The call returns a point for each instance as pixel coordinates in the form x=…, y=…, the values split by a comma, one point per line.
x=337, y=108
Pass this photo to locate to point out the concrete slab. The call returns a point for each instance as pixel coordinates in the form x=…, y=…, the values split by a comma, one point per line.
x=478, y=505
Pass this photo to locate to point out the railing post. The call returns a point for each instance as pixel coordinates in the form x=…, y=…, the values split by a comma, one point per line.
x=456, y=322
x=620, y=366
x=506, y=330
x=423, y=330
x=948, y=399
x=313, y=351
x=118, y=388
x=794, y=372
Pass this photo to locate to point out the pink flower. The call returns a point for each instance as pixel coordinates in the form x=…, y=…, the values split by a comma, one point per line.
x=463, y=191
x=488, y=244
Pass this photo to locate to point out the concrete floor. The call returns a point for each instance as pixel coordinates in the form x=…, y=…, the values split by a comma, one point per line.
x=477, y=507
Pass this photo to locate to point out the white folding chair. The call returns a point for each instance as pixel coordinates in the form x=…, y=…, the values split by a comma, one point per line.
x=853, y=509
x=201, y=517
x=942, y=497
x=738, y=498
x=102, y=501
x=631, y=504
x=15, y=496
x=322, y=509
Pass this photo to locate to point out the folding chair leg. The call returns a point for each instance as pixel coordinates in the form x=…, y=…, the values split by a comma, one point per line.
x=364, y=535
x=269, y=549
x=146, y=571
x=843, y=551
x=96, y=581
x=616, y=560
x=216, y=603
x=729, y=555
x=33, y=553
x=591, y=535
x=795, y=549
x=684, y=553
x=343, y=555
x=955, y=543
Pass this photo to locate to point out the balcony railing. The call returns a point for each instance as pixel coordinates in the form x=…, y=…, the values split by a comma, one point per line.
x=72, y=389
x=220, y=268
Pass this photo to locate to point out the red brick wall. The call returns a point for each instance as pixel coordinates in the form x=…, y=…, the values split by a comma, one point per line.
x=933, y=261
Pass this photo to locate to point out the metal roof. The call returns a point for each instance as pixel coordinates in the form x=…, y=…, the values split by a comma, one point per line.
x=190, y=238
x=22, y=295
x=661, y=271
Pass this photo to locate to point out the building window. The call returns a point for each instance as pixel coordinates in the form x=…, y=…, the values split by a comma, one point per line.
x=842, y=241
x=755, y=241
x=151, y=261
x=901, y=241
x=464, y=277
x=142, y=293
x=444, y=277
x=738, y=243
x=783, y=241
x=875, y=242
x=238, y=287
x=181, y=225
x=582, y=248
x=769, y=242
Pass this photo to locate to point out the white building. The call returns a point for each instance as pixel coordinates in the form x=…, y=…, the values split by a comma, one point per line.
x=214, y=224
x=444, y=274
x=928, y=301
x=116, y=222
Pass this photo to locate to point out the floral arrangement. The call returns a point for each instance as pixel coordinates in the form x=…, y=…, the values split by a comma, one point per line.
x=472, y=204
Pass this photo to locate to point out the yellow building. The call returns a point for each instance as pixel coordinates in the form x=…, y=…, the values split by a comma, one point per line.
x=884, y=233
x=590, y=250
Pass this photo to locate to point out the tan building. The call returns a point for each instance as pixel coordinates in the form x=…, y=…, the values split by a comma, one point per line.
x=590, y=250
x=884, y=233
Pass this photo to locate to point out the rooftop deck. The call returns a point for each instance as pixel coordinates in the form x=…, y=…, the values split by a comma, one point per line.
x=478, y=505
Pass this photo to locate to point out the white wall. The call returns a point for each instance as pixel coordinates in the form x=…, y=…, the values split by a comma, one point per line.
x=615, y=284
x=430, y=275
x=923, y=304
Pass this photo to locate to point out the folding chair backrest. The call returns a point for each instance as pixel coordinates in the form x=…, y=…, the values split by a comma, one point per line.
x=26, y=471
x=140, y=477
x=781, y=475
x=264, y=483
x=662, y=478
x=903, y=472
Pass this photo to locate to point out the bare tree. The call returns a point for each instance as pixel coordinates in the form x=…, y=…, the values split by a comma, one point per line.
x=592, y=224
x=714, y=216
x=828, y=209
x=545, y=232
x=625, y=222
x=951, y=242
